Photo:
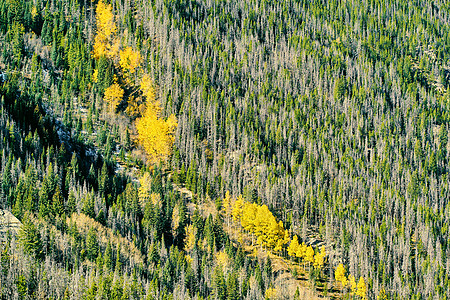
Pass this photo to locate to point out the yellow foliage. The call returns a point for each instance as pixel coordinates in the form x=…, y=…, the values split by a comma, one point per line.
x=188, y=258
x=113, y=96
x=286, y=239
x=147, y=89
x=258, y=220
x=279, y=245
x=175, y=220
x=339, y=274
x=249, y=216
x=112, y=48
x=135, y=107
x=271, y=293
x=105, y=19
x=362, y=289
x=100, y=48
x=352, y=283
x=322, y=251
x=189, y=241
x=155, y=198
x=95, y=76
x=381, y=295
x=301, y=251
x=144, y=188
x=156, y=135
x=238, y=208
x=129, y=60
x=222, y=259
x=227, y=204
x=106, y=28
x=319, y=258
x=293, y=246
x=34, y=12
x=309, y=257
x=144, y=192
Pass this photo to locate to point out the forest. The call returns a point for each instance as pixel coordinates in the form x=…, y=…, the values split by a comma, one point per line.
x=225, y=149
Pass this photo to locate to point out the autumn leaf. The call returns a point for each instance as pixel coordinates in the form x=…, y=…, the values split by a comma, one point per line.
x=156, y=135
x=113, y=96
x=106, y=28
x=129, y=60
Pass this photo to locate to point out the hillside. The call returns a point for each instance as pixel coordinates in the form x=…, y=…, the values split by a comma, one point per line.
x=223, y=149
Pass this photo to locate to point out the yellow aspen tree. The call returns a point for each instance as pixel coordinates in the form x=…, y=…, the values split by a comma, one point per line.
x=113, y=48
x=227, y=206
x=155, y=198
x=339, y=274
x=272, y=234
x=106, y=28
x=301, y=252
x=222, y=259
x=293, y=247
x=189, y=241
x=237, y=208
x=362, y=289
x=146, y=86
x=148, y=92
x=319, y=258
x=249, y=216
x=129, y=60
x=280, y=238
x=322, y=251
x=95, y=76
x=105, y=19
x=352, y=283
x=156, y=135
x=144, y=188
x=271, y=293
x=279, y=245
x=113, y=96
x=132, y=107
x=258, y=221
x=188, y=258
x=286, y=238
x=175, y=221
x=309, y=257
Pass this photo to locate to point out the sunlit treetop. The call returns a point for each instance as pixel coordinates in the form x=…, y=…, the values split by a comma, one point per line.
x=156, y=135
x=113, y=96
x=104, y=43
x=129, y=60
x=105, y=20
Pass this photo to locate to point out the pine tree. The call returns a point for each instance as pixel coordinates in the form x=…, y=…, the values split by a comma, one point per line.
x=92, y=247
x=232, y=287
x=57, y=203
x=30, y=238
x=107, y=259
x=219, y=283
